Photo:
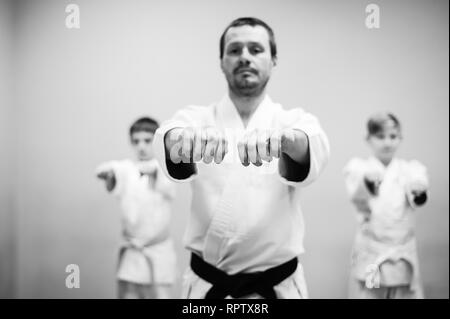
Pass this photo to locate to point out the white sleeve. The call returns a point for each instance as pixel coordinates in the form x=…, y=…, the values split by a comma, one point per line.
x=119, y=174
x=189, y=116
x=416, y=174
x=319, y=147
x=164, y=185
x=354, y=182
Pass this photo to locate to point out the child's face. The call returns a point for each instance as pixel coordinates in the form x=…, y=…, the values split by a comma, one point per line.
x=385, y=143
x=142, y=144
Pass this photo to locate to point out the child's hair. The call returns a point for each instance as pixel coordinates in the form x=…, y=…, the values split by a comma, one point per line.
x=144, y=124
x=378, y=121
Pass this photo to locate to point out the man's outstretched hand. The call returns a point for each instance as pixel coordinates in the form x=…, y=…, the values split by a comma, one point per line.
x=266, y=144
x=192, y=145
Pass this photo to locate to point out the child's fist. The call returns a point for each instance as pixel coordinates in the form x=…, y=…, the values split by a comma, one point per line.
x=147, y=167
x=418, y=191
x=373, y=181
x=108, y=176
x=417, y=187
x=105, y=175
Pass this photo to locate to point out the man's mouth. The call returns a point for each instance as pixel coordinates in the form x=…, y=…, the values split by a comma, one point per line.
x=245, y=70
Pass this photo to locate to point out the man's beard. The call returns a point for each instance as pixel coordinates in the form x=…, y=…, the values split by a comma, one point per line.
x=244, y=88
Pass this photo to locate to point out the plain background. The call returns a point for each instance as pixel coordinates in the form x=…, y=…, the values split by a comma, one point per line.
x=68, y=96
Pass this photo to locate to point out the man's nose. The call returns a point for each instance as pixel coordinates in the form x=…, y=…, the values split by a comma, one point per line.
x=244, y=57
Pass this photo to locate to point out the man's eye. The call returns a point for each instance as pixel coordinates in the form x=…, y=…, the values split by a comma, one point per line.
x=257, y=50
x=148, y=141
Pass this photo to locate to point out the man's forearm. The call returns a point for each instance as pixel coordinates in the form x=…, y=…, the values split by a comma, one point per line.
x=294, y=164
x=295, y=144
x=180, y=170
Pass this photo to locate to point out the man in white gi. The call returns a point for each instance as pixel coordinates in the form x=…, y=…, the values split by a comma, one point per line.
x=246, y=228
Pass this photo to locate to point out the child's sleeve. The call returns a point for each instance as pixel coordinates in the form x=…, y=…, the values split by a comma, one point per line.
x=354, y=182
x=191, y=116
x=164, y=185
x=319, y=147
x=117, y=168
x=416, y=175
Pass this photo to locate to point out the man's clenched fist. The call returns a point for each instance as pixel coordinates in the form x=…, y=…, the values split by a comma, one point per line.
x=259, y=145
x=265, y=144
x=192, y=145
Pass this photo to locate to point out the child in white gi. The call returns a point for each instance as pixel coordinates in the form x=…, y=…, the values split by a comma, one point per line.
x=147, y=261
x=385, y=191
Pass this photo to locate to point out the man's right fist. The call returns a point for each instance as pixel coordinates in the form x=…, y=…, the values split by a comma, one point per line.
x=191, y=145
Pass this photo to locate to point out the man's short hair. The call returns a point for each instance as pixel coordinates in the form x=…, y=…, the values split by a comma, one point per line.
x=378, y=121
x=251, y=22
x=144, y=124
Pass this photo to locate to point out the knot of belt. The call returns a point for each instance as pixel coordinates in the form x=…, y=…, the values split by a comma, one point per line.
x=242, y=284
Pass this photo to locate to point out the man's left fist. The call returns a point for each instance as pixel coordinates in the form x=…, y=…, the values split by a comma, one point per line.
x=264, y=144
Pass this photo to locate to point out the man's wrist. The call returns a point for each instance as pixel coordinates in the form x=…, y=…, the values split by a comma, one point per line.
x=294, y=143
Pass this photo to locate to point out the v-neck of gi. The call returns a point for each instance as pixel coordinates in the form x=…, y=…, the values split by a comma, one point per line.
x=230, y=116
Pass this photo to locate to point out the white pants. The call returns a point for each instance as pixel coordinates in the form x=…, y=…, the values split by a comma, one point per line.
x=131, y=290
x=293, y=287
x=358, y=290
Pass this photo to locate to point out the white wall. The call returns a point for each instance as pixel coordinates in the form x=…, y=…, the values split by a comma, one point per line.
x=78, y=91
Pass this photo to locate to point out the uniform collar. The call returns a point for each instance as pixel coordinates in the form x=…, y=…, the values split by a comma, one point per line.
x=230, y=118
x=392, y=165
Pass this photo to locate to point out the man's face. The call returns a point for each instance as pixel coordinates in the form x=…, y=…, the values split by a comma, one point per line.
x=142, y=144
x=247, y=62
x=385, y=143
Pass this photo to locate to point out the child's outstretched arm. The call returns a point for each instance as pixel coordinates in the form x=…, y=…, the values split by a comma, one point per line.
x=106, y=173
x=361, y=185
x=165, y=186
x=372, y=181
x=109, y=178
x=160, y=183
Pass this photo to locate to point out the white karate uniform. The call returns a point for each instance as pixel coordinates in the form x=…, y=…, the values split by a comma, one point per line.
x=386, y=222
x=245, y=219
x=147, y=254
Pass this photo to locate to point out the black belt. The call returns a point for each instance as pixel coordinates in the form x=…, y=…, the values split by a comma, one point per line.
x=242, y=284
